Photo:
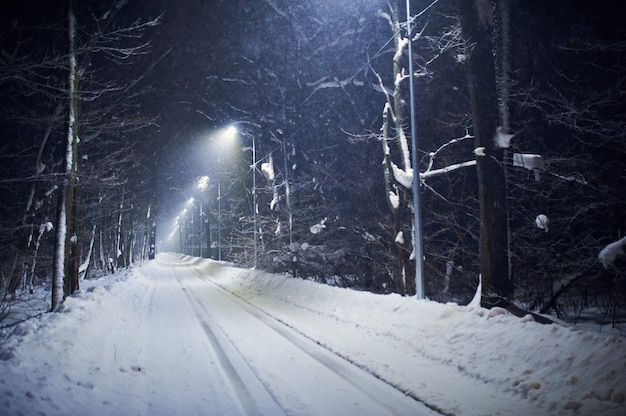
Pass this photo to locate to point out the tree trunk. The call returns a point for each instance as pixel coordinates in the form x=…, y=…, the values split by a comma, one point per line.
x=84, y=267
x=17, y=273
x=398, y=195
x=477, y=26
x=73, y=227
x=119, y=244
x=146, y=234
x=101, y=253
x=152, y=241
x=287, y=190
x=72, y=246
x=62, y=282
x=58, y=273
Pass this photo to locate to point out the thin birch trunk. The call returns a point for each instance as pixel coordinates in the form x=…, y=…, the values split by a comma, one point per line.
x=58, y=276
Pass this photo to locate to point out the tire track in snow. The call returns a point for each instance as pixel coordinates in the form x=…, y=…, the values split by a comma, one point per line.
x=252, y=394
x=342, y=366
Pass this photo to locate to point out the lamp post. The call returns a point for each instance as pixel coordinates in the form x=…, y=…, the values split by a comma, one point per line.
x=200, y=235
x=254, y=198
x=417, y=224
x=185, y=231
x=179, y=228
x=191, y=230
x=254, y=208
x=229, y=134
x=188, y=231
x=232, y=132
x=203, y=185
x=190, y=202
x=219, y=222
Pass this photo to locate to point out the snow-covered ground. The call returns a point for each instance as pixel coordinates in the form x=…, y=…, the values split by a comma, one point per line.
x=185, y=336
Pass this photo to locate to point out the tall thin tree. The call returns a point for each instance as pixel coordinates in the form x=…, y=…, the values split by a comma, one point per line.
x=60, y=284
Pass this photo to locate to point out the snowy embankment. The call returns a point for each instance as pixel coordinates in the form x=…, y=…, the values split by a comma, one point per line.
x=459, y=360
x=431, y=349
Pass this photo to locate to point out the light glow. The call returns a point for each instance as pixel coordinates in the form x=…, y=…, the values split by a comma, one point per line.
x=203, y=183
x=230, y=131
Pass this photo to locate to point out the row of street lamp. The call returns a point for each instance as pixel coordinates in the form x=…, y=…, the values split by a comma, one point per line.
x=417, y=226
x=184, y=232
x=185, y=235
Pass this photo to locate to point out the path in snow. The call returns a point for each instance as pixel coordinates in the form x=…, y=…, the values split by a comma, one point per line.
x=188, y=336
x=168, y=341
x=274, y=370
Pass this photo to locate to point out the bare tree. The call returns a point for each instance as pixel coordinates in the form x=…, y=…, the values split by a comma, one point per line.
x=113, y=44
x=76, y=87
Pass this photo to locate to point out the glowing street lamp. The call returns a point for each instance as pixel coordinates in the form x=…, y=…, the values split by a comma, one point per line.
x=223, y=136
x=190, y=202
x=203, y=185
x=219, y=222
x=232, y=130
x=254, y=203
x=183, y=231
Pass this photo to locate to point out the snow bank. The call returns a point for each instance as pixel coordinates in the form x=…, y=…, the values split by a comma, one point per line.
x=558, y=369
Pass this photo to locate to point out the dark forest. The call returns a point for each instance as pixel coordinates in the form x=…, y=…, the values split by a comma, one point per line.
x=319, y=94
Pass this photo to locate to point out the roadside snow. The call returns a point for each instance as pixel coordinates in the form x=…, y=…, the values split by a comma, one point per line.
x=431, y=349
x=96, y=357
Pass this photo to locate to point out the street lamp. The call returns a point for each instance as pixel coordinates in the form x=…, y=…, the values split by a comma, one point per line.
x=254, y=204
x=219, y=222
x=178, y=230
x=182, y=230
x=229, y=134
x=188, y=233
x=203, y=185
x=190, y=202
x=200, y=220
x=233, y=130
x=417, y=224
x=223, y=136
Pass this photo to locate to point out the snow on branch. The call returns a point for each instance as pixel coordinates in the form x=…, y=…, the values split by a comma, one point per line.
x=542, y=222
x=394, y=199
x=529, y=161
x=324, y=82
x=450, y=168
x=403, y=177
x=502, y=139
x=430, y=172
x=319, y=227
x=267, y=168
x=609, y=253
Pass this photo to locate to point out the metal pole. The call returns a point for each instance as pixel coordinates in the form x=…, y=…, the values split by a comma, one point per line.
x=219, y=222
x=201, y=220
x=180, y=239
x=417, y=223
x=185, y=232
x=191, y=230
x=254, y=198
x=186, y=235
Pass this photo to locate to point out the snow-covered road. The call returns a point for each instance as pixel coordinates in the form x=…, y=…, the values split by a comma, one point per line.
x=187, y=336
x=179, y=344
x=262, y=366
